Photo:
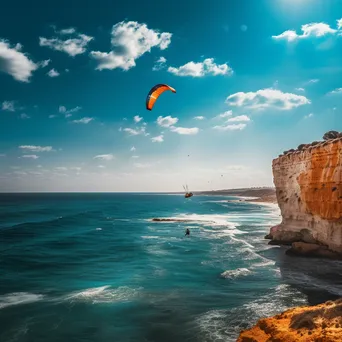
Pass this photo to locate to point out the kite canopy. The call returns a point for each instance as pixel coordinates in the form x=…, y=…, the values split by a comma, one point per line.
x=155, y=92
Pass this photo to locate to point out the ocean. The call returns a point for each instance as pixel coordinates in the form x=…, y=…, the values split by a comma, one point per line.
x=94, y=267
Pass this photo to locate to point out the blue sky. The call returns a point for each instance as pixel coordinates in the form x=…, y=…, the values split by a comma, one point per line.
x=253, y=78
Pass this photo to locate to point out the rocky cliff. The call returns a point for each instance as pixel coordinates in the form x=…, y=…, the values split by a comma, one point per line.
x=308, y=184
x=321, y=323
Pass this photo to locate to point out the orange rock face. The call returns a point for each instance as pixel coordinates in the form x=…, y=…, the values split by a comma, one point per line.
x=309, y=192
x=321, y=323
x=321, y=182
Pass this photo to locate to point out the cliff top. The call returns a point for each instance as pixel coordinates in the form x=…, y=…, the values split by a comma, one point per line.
x=328, y=138
x=311, y=323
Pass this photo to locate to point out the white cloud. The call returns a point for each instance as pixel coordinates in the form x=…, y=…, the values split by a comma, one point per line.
x=226, y=114
x=130, y=40
x=84, y=120
x=30, y=156
x=133, y=149
x=233, y=127
x=76, y=168
x=137, y=118
x=336, y=91
x=44, y=63
x=24, y=116
x=53, y=73
x=137, y=131
x=70, y=30
x=19, y=173
x=15, y=63
x=101, y=166
x=317, y=30
x=61, y=168
x=142, y=165
x=36, y=148
x=166, y=121
x=135, y=157
x=104, y=157
x=52, y=116
x=72, y=46
x=314, y=80
x=8, y=106
x=131, y=131
x=2, y=155
x=207, y=67
x=267, y=98
x=199, y=117
x=309, y=30
x=308, y=116
x=68, y=113
x=288, y=35
x=184, y=131
x=300, y=89
x=160, y=64
x=339, y=23
x=239, y=118
x=159, y=138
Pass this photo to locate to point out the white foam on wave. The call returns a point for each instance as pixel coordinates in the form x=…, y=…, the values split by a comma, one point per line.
x=206, y=220
x=215, y=325
x=225, y=325
x=105, y=294
x=17, y=298
x=244, y=242
x=157, y=250
x=98, y=228
x=149, y=237
x=277, y=300
x=233, y=274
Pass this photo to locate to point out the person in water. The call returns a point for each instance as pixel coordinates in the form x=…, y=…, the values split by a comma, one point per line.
x=187, y=232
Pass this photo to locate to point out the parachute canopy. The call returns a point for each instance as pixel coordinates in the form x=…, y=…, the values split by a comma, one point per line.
x=155, y=92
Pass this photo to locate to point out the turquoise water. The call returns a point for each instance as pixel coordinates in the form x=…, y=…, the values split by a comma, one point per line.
x=93, y=267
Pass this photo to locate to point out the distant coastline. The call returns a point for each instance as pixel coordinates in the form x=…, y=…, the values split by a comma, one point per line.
x=258, y=195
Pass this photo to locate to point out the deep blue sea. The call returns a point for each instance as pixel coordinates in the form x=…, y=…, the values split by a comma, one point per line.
x=93, y=267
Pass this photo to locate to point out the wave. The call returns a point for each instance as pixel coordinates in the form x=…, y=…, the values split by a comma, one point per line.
x=105, y=294
x=45, y=222
x=233, y=274
x=205, y=219
x=225, y=325
x=17, y=298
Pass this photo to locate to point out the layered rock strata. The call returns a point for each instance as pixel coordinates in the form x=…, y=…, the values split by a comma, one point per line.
x=308, y=184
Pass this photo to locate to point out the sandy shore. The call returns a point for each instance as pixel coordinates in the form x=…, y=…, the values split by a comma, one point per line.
x=264, y=199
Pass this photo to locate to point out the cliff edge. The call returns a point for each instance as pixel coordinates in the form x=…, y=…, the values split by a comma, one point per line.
x=321, y=323
x=308, y=184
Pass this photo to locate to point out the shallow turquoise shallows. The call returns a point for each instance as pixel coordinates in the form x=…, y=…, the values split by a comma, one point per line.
x=94, y=267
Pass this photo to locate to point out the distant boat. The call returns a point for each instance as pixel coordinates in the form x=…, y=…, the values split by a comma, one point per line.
x=187, y=193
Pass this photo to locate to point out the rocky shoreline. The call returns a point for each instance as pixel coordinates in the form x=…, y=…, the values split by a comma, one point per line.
x=320, y=323
x=308, y=184
x=302, y=244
